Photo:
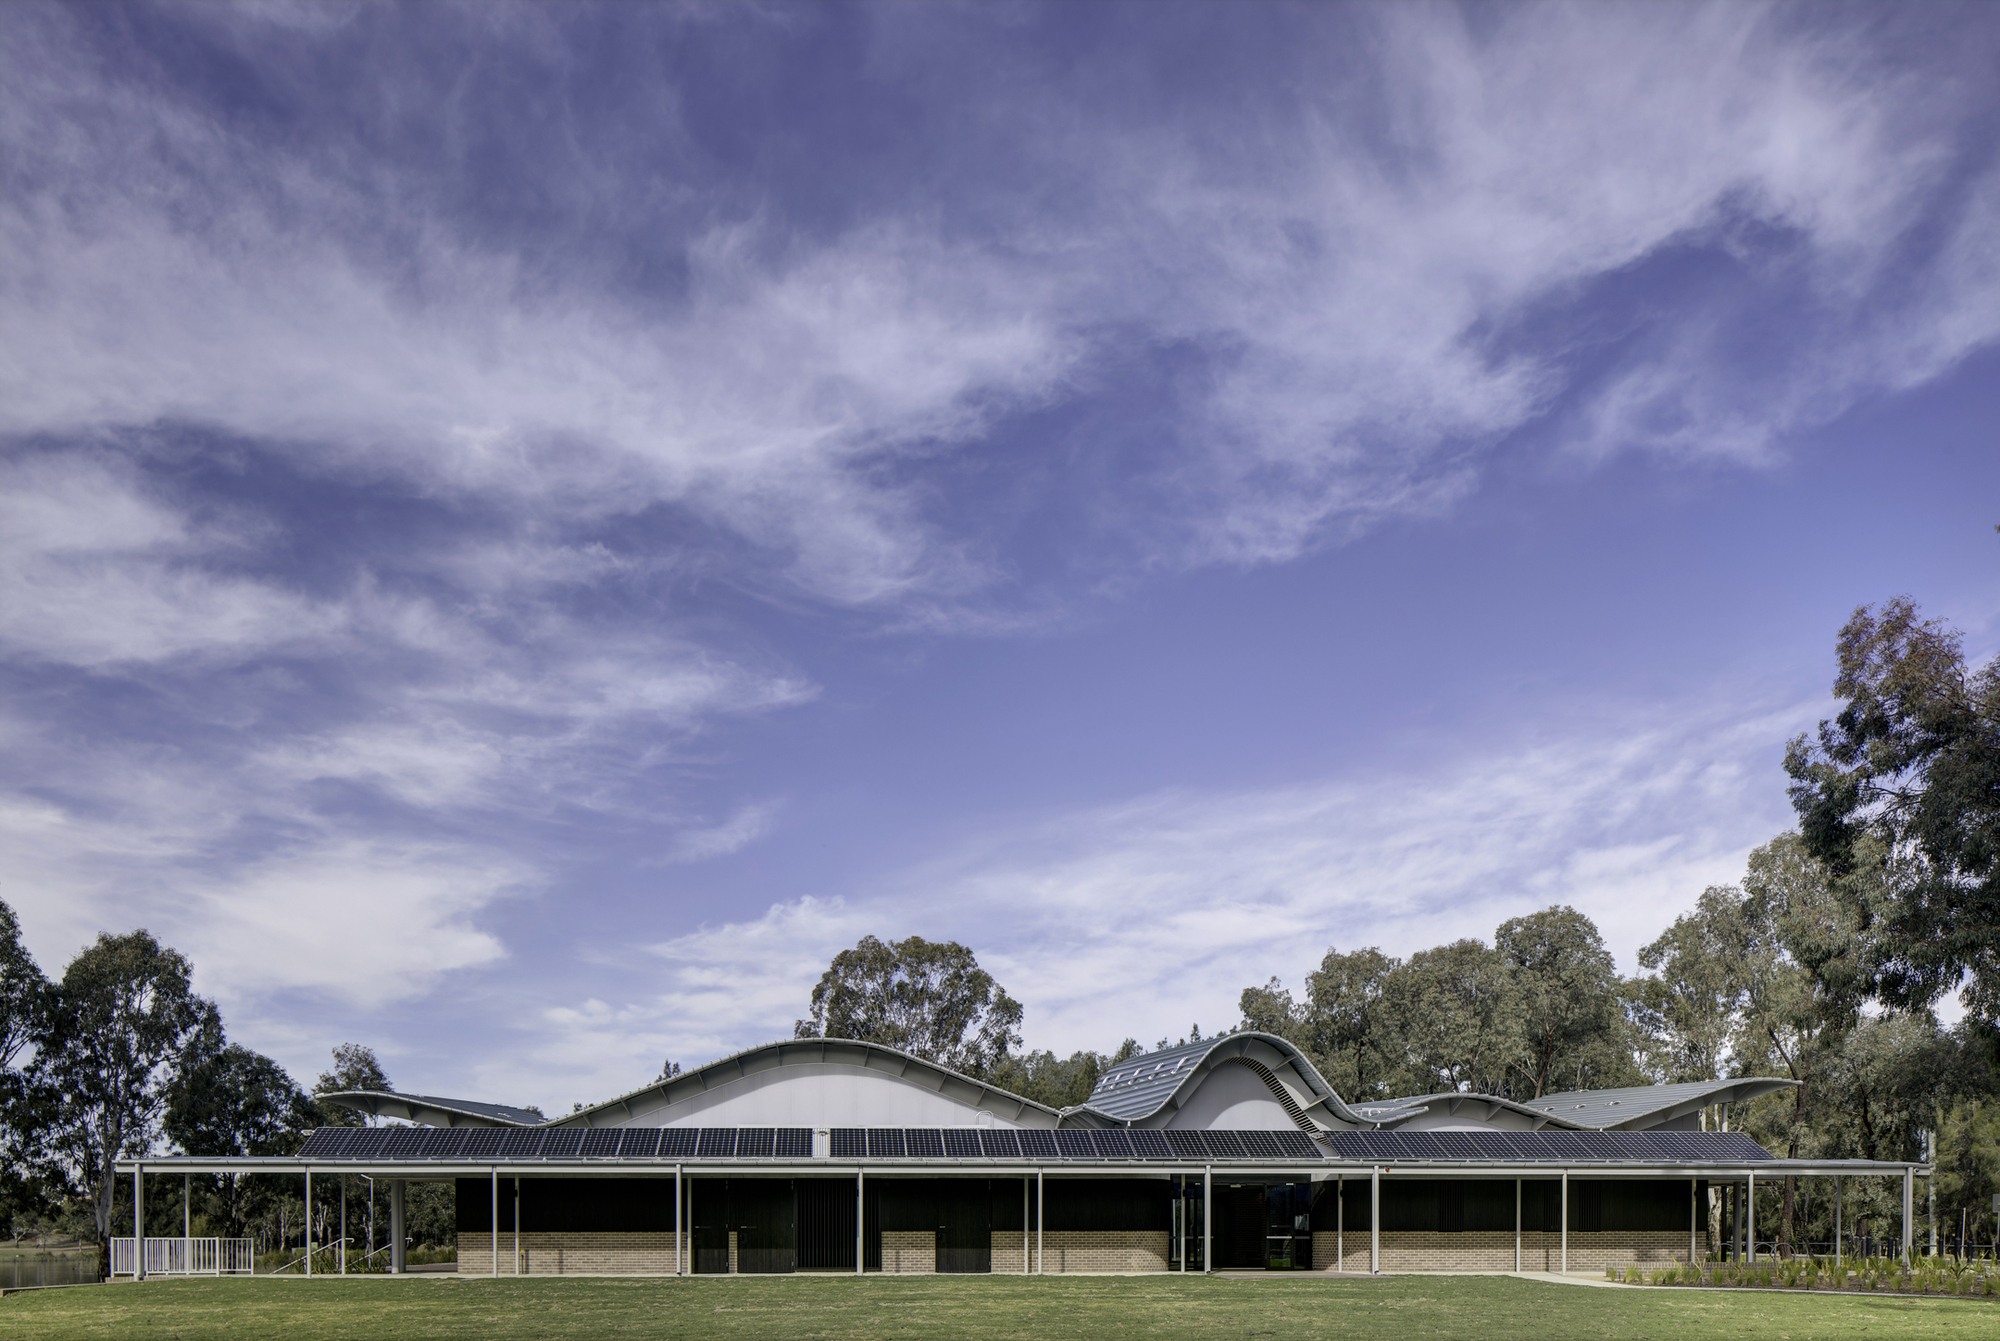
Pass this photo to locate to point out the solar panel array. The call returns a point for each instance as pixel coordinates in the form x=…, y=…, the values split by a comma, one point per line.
x=1548, y=1147
x=565, y=1143
x=986, y=1143
x=1069, y=1143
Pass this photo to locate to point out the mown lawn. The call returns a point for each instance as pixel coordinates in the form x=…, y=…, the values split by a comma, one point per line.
x=1459, y=1307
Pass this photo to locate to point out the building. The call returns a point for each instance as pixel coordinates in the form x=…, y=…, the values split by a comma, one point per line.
x=1232, y=1152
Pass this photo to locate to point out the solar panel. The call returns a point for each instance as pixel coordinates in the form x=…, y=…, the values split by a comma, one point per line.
x=395, y=1142
x=561, y=1143
x=1186, y=1145
x=1296, y=1145
x=1074, y=1144
x=794, y=1143
x=1572, y=1144
x=600, y=1143
x=442, y=1143
x=1261, y=1144
x=678, y=1142
x=961, y=1143
x=716, y=1143
x=999, y=1144
x=923, y=1143
x=320, y=1142
x=885, y=1143
x=378, y=1145
x=640, y=1143
x=1556, y=1147
x=481, y=1142
x=518, y=1144
x=1150, y=1145
x=1489, y=1144
x=1112, y=1143
x=756, y=1142
x=1224, y=1145
x=1038, y=1143
x=848, y=1142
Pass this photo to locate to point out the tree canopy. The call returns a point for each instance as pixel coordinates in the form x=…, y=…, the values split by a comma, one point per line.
x=1912, y=762
x=930, y=999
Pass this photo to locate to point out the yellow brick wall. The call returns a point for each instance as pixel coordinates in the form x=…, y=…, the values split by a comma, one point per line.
x=1493, y=1250
x=571, y=1254
x=909, y=1250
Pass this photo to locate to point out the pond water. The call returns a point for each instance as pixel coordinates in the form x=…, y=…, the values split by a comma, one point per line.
x=17, y=1269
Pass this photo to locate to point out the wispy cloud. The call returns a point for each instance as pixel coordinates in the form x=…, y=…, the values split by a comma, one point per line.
x=393, y=456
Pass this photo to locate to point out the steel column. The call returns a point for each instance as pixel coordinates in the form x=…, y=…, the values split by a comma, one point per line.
x=1375, y=1221
x=517, y=1226
x=1517, y=1224
x=139, y=1221
x=1565, y=1223
x=1024, y=1226
x=1909, y=1212
x=1839, y=1245
x=861, y=1220
x=496, y=1222
x=1208, y=1221
x=677, y=1220
x=342, y=1249
x=1340, y=1223
x=1041, y=1252
x=397, y=1261
x=1750, y=1216
x=1694, y=1199
x=309, y=1222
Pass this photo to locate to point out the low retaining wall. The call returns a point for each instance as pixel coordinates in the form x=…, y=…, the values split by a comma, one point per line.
x=571, y=1254
x=1493, y=1250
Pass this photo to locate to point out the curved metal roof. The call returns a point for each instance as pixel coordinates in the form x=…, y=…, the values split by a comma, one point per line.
x=1643, y=1106
x=1152, y=1085
x=430, y=1111
x=1453, y=1101
x=975, y=1094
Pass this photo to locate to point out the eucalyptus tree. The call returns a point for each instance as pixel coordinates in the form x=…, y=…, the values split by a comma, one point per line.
x=125, y=1019
x=1566, y=987
x=1912, y=762
x=1455, y=1010
x=930, y=999
x=24, y=1004
x=355, y=1067
x=1349, y=1023
x=1690, y=1006
x=237, y=1102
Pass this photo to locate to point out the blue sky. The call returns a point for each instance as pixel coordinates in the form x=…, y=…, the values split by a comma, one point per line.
x=528, y=528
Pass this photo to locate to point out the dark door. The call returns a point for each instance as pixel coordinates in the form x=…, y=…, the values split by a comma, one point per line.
x=1239, y=1227
x=766, y=1225
x=1288, y=1227
x=965, y=1226
x=708, y=1208
x=826, y=1224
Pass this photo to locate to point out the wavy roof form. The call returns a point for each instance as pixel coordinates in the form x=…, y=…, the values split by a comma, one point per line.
x=879, y=1057
x=1148, y=1088
x=1643, y=1106
x=430, y=1111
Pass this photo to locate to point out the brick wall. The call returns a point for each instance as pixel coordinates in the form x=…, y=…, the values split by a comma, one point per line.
x=1493, y=1250
x=571, y=1254
x=1073, y=1250
x=909, y=1250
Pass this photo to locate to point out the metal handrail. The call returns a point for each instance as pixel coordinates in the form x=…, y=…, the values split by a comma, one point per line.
x=328, y=1246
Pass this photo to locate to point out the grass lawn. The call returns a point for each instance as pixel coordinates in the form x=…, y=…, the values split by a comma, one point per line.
x=1460, y=1307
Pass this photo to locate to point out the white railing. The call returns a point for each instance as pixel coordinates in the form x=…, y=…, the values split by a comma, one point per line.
x=186, y=1257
